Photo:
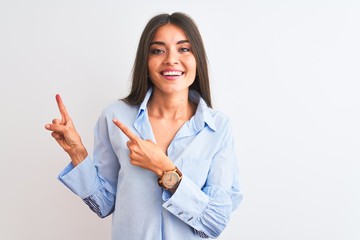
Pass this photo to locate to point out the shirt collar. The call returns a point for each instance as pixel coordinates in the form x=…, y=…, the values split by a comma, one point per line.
x=203, y=114
x=144, y=103
x=202, y=117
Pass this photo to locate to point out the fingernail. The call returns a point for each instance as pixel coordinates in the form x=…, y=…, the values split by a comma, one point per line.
x=47, y=126
x=114, y=120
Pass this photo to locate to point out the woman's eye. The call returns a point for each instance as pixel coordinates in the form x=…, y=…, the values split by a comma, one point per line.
x=156, y=51
x=184, y=49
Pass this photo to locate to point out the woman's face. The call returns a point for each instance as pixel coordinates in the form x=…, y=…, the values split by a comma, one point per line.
x=171, y=63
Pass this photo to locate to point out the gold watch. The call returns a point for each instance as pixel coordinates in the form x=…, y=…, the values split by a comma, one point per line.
x=170, y=179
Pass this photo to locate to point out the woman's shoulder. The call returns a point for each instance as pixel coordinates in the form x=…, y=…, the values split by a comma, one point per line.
x=119, y=106
x=218, y=115
x=215, y=115
x=215, y=119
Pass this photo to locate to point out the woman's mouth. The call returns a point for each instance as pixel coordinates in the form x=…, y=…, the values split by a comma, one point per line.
x=172, y=73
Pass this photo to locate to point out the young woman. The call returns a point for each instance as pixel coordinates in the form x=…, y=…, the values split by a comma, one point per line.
x=164, y=163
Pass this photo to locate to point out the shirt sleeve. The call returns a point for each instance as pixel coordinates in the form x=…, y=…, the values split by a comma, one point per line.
x=95, y=180
x=208, y=210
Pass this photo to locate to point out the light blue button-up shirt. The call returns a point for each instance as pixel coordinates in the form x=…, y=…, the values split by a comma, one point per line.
x=203, y=150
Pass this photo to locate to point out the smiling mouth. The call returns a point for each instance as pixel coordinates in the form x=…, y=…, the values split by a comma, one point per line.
x=172, y=73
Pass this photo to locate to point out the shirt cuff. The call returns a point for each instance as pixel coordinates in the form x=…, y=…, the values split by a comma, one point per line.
x=188, y=202
x=82, y=179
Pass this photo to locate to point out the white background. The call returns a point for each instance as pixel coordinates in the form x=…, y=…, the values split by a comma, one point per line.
x=286, y=72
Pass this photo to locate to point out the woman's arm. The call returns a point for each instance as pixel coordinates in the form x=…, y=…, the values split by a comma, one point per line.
x=93, y=181
x=207, y=209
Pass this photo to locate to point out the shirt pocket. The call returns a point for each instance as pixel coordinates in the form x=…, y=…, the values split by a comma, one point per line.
x=196, y=169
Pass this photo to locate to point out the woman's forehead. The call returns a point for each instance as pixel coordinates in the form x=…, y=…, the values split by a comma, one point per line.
x=169, y=33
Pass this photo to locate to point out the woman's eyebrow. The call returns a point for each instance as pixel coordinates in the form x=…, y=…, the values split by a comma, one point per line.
x=182, y=41
x=162, y=43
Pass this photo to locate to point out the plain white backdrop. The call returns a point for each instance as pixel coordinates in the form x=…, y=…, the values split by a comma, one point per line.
x=286, y=72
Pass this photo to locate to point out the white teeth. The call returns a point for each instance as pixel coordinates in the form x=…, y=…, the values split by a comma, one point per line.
x=172, y=73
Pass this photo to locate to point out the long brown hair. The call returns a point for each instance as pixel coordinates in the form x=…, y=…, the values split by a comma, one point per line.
x=140, y=80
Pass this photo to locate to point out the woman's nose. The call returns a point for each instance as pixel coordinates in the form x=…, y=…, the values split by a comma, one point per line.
x=172, y=57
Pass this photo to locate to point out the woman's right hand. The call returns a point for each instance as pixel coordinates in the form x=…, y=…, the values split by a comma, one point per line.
x=64, y=132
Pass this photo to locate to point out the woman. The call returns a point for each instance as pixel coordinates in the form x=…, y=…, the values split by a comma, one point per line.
x=170, y=173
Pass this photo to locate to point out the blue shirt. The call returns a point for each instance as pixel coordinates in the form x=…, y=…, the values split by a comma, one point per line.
x=203, y=150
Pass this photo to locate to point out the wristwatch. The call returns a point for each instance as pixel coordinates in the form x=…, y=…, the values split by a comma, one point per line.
x=170, y=179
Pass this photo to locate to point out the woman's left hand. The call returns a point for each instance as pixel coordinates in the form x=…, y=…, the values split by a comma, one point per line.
x=145, y=153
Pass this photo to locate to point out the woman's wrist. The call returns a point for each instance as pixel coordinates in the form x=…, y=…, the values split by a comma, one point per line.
x=166, y=165
x=77, y=155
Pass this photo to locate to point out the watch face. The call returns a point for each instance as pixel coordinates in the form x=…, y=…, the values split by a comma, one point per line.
x=170, y=179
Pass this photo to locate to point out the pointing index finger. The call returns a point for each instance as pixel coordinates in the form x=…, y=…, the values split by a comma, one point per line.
x=126, y=130
x=62, y=109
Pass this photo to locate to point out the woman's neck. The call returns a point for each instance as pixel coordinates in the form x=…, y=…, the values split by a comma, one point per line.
x=171, y=106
